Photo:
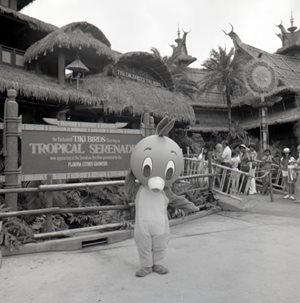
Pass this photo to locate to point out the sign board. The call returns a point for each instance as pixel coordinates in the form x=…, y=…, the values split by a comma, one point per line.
x=67, y=153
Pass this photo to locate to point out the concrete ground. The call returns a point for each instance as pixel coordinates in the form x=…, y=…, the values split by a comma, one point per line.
x=226, y=257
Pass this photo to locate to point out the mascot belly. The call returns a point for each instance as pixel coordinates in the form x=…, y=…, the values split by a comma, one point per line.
x=156, y=162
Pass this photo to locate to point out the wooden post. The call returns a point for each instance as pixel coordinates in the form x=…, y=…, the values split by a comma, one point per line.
x=10, y=147
x=210, y=178
x=263, y=124
x=271, y=186
x=61, y=66
x=152, y=126
x=49, y=204
x=146, y=121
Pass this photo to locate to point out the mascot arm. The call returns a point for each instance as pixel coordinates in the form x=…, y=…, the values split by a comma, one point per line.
x=131, y=187
x=180, y=201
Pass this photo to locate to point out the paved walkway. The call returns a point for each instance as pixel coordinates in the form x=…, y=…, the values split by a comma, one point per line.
x=225, y=257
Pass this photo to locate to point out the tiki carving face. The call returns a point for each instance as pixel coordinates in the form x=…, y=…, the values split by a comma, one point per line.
x=157, y=161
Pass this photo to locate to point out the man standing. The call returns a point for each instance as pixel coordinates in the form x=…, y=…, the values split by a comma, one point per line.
x=226, y=158
x=226, y=154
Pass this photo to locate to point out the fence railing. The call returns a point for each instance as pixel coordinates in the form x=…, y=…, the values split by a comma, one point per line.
x=233, y=182
x=49, y=210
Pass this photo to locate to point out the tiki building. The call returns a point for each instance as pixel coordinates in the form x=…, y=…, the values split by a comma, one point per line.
x=283, y=105
x=72, y=73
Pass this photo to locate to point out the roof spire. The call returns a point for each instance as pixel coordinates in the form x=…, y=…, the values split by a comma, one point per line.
x=292, y=28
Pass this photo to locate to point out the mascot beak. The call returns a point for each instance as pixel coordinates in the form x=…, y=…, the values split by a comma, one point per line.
x=156, y=184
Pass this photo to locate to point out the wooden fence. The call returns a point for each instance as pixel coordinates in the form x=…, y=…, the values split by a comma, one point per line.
x=236, y=183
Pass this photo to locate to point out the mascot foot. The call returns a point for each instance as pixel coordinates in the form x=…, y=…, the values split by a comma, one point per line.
x=160, y=269
x=144, y=271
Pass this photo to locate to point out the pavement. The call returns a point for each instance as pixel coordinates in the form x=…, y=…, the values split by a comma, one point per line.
x=235, y=257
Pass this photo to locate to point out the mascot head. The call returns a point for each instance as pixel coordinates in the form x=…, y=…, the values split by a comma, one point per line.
x=157, y=161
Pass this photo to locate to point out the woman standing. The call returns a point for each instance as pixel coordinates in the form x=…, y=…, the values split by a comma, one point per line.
x=286, y=165
x=252, y=168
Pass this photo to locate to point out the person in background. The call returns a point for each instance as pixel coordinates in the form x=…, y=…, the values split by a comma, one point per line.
x=217, y=155
x=286, y=162
x=235, y=161
x=266, y=167
x=244, y=166
x=226, y=157
x=217, y=158
x=297, y=168
x=252, y=168
x=226, y=154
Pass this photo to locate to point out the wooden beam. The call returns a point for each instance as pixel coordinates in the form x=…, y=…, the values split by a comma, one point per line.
x=61, y=66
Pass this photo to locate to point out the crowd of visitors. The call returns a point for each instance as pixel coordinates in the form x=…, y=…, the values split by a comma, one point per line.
x=245, y=159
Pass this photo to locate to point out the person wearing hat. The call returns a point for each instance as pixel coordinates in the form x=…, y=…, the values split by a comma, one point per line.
x=288, y=179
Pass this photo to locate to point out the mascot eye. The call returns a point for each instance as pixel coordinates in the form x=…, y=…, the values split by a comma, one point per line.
x=147, y=167
x=170, y=170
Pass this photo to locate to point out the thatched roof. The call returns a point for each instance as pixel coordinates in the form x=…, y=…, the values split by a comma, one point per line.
x=33, y=23
x=76, y=35
x=113, y=94
x=150, y=64
x=118, y=94
x=287, y=68
x=22, y=3
x=41, y=88
x=77, y=66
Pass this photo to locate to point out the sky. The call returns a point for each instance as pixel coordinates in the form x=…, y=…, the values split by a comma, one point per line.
x=138, y=25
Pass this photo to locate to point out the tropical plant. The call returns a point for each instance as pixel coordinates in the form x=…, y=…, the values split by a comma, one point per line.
x=224, y=73
x=182, y=83
x=13, y=232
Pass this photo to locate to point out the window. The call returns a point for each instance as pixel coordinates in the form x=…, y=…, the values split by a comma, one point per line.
x=19, y=60
x=6, y=56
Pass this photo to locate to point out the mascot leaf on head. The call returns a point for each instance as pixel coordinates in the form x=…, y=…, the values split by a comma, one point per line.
x=156, y=162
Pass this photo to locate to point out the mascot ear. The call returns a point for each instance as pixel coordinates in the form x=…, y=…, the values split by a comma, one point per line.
x=131, y=187
x=165, y=126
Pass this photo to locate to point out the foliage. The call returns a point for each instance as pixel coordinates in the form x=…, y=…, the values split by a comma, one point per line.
x=58, y=222
x=83, y=197
x=238, y=134
x=13, y=232
x=191, y=193
x=224, y=73
x=182, y=83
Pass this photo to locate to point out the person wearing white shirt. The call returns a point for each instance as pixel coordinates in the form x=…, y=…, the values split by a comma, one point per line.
x=226, y=154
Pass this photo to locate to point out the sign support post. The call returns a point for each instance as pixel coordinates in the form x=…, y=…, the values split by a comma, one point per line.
x=10, y=144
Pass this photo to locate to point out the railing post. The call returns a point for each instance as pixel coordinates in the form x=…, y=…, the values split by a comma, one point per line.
x=271, y=186
x=210, y=178
x=146, y=123
x=10, y=147
x=151, y=125
x=49, y=204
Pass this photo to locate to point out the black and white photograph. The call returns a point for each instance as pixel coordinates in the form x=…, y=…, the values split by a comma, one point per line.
x=149, y=151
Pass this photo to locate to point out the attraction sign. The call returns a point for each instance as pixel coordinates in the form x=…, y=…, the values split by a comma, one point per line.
x=76, y=152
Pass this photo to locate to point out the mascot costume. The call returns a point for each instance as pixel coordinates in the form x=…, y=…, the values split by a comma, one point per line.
x=156, y=162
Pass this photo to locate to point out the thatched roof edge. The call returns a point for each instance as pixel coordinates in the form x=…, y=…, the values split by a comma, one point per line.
x=65, y=39
x=112, y=94
x=33, y=23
